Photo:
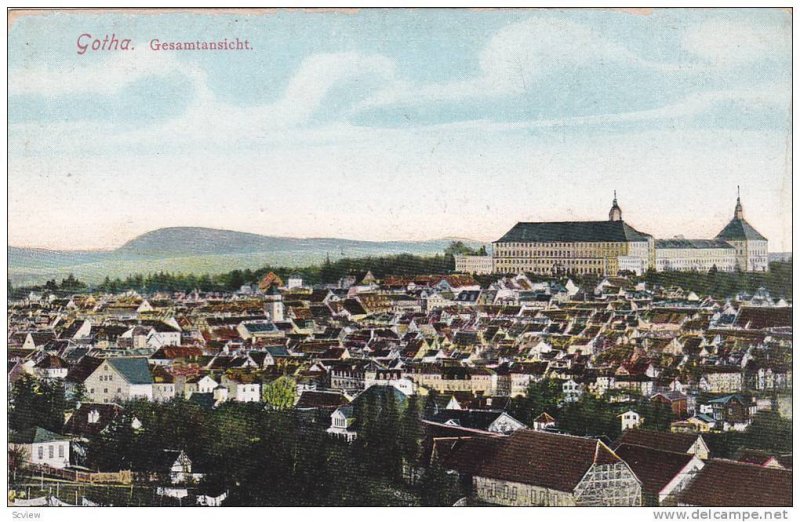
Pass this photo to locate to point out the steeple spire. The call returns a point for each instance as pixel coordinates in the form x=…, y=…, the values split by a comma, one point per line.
x=615, y=214
x=739, y=212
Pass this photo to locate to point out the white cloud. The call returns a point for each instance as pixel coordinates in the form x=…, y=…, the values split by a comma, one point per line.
x=729, y=43
x=515, y=58
x=101, y=76
x=207, y=120
x=691, y=105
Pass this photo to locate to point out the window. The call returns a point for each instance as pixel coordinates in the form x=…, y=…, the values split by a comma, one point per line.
x=51, y=451
x=41, y=452
x=61, y=451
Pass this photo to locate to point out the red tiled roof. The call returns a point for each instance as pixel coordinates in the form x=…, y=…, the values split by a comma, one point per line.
x=725, y=483
x=542, y=459
x=655, y=468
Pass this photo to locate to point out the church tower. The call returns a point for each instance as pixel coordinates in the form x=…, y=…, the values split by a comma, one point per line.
x=274, y=303
x=615, y=214
x=752, y=254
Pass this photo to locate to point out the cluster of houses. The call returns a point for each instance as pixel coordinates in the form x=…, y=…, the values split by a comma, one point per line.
x=713, y=363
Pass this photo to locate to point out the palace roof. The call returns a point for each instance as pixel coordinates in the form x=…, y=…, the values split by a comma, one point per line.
x=739, y=230
x=573, y=232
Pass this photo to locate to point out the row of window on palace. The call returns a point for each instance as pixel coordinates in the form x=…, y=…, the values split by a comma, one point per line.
x=547, y=253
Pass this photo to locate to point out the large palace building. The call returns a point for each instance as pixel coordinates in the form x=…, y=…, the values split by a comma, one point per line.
x=613, y=246
x=578, y=247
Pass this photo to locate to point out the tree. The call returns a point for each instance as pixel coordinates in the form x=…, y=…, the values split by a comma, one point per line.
x=280, y=394
x=18, y=460
x=72, y=284
x=79, y=394
x=437, y=487
x=459, y=248
x=37, y=403
x=328, y=273
x=542, y=396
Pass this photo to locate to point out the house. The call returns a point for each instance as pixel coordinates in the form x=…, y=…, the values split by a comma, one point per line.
x=693, y=444
x=536, y=468
x=676, y=401
x=242, y=387
x=543, y=422
x=52, y=367
x=38, y=340
x=78, y=330
x=258, y=330
x=118, y=379
x=725, y=483
x=163, y=384
x=730, y=412
x=343, y=423
x=162, y=334
x=178, y=467
x=664, y=474
x=698, y=423
x=630, y=420
x=167, y=355
x=196, y=384
x=571, y=390
x=721, y=379
x=41, y=447
x=294, y=281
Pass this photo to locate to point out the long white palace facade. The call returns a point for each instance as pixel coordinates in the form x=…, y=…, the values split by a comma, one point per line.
x=613, y=246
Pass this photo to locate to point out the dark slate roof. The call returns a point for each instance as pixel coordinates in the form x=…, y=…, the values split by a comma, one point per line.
x=573, y=231
x=739, y=229
x=134, y=369
x=537, y=458
x=78, y=423
x=725, y=483
x=655, y=468
x=204, y=400
x=320, y=399
x=693, y=243
x=260, y=326
x=472, y=419
x=34, y=436
x=759, y=317
x=85, y=367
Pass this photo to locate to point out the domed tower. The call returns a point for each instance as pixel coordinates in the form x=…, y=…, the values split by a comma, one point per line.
x=738, y=213
x=752, y=254
x=274, y=303
x=615, y=214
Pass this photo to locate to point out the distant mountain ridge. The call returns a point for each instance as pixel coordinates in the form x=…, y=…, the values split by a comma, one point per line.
x=200, y=250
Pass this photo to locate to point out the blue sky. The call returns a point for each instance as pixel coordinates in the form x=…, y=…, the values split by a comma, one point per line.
x=399, y=124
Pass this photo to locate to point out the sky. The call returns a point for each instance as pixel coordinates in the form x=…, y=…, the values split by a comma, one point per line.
x=399, y=124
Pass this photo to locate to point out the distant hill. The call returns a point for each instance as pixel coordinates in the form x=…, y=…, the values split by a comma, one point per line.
x=199, y=250
x=780, y=256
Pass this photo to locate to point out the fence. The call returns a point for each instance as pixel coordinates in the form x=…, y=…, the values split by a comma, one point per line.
x=114, y=477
